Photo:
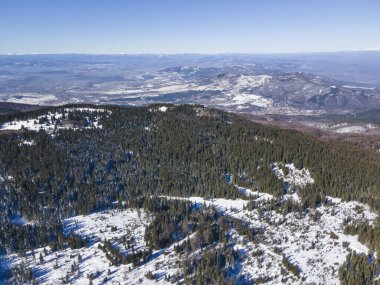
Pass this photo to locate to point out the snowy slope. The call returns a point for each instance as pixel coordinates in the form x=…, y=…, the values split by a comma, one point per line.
x=314, y=242
x=97, y=227
x=308, y=243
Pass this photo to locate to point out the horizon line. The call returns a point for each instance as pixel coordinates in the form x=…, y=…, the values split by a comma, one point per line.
x=196, y=53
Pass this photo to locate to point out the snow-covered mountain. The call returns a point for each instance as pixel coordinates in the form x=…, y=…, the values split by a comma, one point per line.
x=245, y=84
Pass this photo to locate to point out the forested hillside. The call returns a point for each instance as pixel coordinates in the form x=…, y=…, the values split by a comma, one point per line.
x=59, y=162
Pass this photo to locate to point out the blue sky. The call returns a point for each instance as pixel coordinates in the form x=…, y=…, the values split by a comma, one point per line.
x=181, y=26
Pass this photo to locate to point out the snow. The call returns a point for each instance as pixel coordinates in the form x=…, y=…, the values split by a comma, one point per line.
x=351, y=129
x=252, y=80
x=259, y=196
x=343, y=127
x=306, y=242
x=296, y=177
x=48, y=122
x=294, y=196
x=286, y=110
x=321, y=261
x=88, y=110
x=220, y=204
x=354, y=244
x=236, y=90
x=178, y=88
x=358, y=87
x=90, y=225
x=309, y=243
x=26, y=142
x=123, y=91
x=252, y=99
x=33, y=98
x=239, y=89
x=163, y=108
x=97, y=227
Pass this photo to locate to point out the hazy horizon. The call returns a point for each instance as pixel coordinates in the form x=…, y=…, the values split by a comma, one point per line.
x=370, y=50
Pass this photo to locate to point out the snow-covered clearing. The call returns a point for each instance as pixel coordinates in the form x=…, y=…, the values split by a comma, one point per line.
x=315, y=243
x=295, y=176
x=351, y=129
x=294, y=179
x=119, y=227
x=220, y=204
x=246, y=98
x=256, y=195
x=98, y=226
x=52, y=122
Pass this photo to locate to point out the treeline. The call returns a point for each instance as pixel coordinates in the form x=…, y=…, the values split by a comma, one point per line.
x=20, y=238
x=367, y=234
x=359, y=269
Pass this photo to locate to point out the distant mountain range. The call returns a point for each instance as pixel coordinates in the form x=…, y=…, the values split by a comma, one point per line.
x=302, y=84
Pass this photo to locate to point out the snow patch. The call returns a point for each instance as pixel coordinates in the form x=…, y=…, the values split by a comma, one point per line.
x=351, y=129
x=258, y=196
x=295, y=177
x=52, y=122
x=26, y=142
x=220, y=204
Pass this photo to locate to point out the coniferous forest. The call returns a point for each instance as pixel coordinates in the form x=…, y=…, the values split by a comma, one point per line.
x=141, y=153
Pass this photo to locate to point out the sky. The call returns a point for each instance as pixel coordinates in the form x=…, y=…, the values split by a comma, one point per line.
x=184, y=26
